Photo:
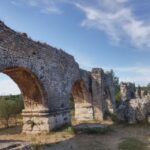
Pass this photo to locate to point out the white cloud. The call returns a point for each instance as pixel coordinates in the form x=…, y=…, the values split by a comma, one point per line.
x=117, y=20
x=121, y=1
x=14, y=3
x=32, y=2
x=138, y=80
x=50, y=10
x=44, y=6
x=137, y=74
x=136, y=69
x=114, y=17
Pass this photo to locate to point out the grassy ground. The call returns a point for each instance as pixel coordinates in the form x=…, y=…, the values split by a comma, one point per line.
x=132, y=144
x=121, y=137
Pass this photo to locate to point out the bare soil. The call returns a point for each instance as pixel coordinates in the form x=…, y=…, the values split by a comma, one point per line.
x=66, y=140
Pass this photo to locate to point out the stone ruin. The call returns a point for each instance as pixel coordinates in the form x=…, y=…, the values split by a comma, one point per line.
x=47, y=76
x=127, y=90
x=93, y=95
x=135, y=105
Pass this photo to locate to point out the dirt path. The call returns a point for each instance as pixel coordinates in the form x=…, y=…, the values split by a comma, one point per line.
x=109, y=141
x=65, y=140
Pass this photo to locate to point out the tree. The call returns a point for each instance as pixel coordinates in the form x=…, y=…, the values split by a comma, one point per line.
x=6, y=109
x=10, y=106
x=117, y=88
x=148, y=87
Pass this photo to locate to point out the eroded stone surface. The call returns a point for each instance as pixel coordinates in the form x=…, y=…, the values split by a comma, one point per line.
x=135, y=106
x=127, y=90
x=135, y=110
x=47, y=76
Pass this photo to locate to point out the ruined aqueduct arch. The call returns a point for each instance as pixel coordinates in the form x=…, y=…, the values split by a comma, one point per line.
x=30, y=86
x=83, y=101
x=47, y=76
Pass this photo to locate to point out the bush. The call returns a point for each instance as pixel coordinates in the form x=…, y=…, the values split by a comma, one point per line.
x=10, y=106
x=94, y=130
x=118, y=97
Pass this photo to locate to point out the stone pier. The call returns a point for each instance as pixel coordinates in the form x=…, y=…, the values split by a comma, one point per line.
x=47, y=77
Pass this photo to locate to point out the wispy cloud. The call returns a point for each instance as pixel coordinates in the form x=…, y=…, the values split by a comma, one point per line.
x=137, y=74
x=138, y=80
x=44, y=6
x=135, y=69
x=114, y=17
x=117, y=20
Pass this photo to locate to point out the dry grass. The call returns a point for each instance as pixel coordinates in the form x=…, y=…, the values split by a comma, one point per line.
x=132, y=144
x=66, y=140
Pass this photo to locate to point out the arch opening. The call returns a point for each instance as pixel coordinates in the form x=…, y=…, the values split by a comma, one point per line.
x=11, y=103
x=29, y=86
x=35, y=110
x=82, y=103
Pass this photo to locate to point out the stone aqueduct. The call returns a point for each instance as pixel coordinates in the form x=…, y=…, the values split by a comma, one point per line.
x=47, y=77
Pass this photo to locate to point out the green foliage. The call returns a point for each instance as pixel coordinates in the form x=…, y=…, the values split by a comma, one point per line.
x=71, y=102
x=93, y=130
x=117, y=88
x=145, y=88
x=10, y=106
x=72, y=106
x=70, y=130
x=118, y=97
x=132, y=144
x=148, y=86
x=65, y=127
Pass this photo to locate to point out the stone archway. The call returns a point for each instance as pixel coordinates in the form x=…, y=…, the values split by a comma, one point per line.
x=29, y=85
x=35, y=104
x=47, y=71
x=82, y=101
x=45, y=76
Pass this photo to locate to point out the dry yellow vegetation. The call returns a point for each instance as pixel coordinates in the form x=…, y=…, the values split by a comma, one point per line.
x=137, y=136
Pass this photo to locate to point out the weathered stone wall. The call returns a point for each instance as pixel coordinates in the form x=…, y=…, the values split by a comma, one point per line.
x=47, y=76
x=135, y=106
x=135, y=110
x=127, y=90
x=55, y=70
x=109, y=93
x=97, y=94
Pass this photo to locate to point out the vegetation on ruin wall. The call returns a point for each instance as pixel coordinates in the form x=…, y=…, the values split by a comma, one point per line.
x=10, y=109
x=145, y=88
x=117, y=88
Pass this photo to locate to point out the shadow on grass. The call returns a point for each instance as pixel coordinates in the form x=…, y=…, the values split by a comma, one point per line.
x=133, y=144
x=11, y=130
x=92, y=128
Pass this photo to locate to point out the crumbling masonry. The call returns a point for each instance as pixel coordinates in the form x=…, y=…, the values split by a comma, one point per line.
x=135, y=104
x=47, y=77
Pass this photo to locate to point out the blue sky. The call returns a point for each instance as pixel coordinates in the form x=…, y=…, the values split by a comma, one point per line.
x=111, y=34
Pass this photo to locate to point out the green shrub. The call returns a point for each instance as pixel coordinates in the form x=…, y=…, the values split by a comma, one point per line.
x=10, y=106
x=93, y=130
